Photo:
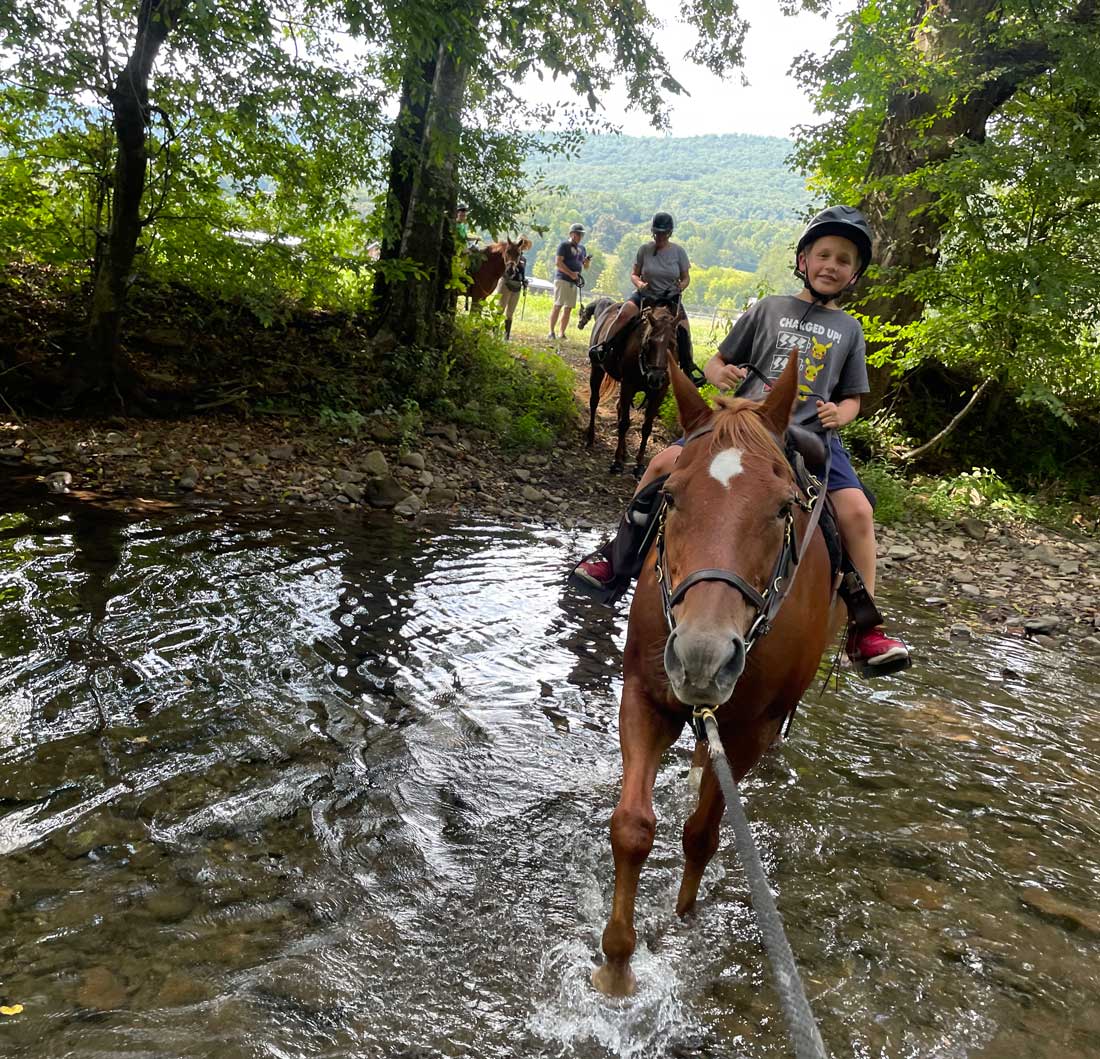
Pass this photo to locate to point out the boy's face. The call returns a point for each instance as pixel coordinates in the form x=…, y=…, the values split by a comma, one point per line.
x=830, y=263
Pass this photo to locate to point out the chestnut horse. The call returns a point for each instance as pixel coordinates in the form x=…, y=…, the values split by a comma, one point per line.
x=487, y=266
x=640, y=365
x=732, y=509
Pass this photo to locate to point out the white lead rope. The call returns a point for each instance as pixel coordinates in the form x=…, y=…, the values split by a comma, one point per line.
x=792, y=996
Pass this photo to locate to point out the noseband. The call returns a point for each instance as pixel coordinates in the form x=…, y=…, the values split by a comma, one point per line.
x=768, y=602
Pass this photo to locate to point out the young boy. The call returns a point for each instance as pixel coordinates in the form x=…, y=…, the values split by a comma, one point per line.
x=831, y=255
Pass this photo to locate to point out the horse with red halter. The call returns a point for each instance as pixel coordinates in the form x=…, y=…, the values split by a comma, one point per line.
x=638, y=364
x=488, y=265
x=718, y=620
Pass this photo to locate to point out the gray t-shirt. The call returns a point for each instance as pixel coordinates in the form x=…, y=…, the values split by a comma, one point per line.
x=828, y=342
x=661, y=269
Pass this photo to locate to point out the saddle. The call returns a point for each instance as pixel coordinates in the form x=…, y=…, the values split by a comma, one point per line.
x=605, y=354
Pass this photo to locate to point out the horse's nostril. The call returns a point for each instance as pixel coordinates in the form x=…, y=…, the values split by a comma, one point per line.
x=735, y=663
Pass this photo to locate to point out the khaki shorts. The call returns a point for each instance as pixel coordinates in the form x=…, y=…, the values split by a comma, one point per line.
x=565, y=293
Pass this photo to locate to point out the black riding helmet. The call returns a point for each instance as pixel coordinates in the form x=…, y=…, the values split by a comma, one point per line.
x=662, y=222
x=845, y=221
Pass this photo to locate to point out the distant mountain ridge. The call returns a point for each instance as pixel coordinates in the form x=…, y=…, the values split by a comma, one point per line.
x=734, y=198
x=704, y=178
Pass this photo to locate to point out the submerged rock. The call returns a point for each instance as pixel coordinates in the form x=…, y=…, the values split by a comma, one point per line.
x=1058, y=910
x=101, y=990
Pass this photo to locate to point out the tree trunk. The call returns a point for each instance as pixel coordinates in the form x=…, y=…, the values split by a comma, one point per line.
x=102, y=366
x=418, y=309
x=924, y=129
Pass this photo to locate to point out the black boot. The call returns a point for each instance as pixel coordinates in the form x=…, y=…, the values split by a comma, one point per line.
x=626, y=551
x=687, y=360
x=507, y=329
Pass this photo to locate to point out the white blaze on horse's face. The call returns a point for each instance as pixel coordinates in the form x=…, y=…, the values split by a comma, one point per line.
x=726, y=466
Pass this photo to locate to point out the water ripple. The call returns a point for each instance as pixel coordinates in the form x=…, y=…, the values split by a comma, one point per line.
x=296, y=789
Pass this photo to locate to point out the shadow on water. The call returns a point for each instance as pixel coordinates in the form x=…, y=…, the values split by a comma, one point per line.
x=286, y=788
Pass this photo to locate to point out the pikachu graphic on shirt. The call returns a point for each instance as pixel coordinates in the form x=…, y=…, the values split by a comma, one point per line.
x=812, y=365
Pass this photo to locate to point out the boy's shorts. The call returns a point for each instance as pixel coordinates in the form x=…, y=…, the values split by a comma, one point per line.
x=842, y=474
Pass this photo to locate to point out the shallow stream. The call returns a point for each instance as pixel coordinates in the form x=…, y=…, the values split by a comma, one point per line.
x=316, y=789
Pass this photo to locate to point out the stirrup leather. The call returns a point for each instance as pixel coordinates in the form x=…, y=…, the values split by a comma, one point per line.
x=862, y=612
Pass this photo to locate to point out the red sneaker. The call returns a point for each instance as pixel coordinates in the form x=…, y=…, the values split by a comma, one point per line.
x=877, y=652
x=596, y=570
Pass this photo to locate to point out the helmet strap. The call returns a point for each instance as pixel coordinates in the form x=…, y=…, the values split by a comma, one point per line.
x=814, y=293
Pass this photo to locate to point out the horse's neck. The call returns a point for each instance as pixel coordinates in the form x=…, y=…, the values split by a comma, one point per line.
x=490, y=272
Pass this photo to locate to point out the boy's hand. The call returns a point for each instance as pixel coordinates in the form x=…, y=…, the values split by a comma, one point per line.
x=727, y=376
x=828, y=414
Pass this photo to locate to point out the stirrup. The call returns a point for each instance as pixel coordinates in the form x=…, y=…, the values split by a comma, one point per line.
x=607, y=595
x=898, y=665
x=887, y=670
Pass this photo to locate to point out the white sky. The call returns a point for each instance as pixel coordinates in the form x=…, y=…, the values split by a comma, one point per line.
x=770, y=105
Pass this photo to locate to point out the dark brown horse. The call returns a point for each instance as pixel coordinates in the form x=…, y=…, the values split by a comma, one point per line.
x=732, y=506
x=640, y=364
x=487, y=266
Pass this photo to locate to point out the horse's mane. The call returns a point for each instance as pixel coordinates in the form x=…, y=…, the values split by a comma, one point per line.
x=737, y=422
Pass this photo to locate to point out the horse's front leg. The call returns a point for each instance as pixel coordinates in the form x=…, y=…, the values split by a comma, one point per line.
x=644, y=735
x=626, y=396
x=700, y=830
x=595, y=380
x=652, y=406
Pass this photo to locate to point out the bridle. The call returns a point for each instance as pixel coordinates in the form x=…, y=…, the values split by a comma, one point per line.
x=647, y=340
x=512, y=272
x=767, y=602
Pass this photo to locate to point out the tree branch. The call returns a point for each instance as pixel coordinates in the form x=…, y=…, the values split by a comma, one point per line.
x=912, y=454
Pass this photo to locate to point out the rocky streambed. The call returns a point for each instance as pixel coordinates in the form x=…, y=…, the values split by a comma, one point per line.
x=1020, y=579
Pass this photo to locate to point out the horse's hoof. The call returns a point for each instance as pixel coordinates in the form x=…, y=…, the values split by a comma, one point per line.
x=616, y=468
x=687, y=909
x=614, y=981
x=638, y=472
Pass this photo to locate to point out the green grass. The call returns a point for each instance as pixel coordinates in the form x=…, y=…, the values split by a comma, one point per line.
x=523, y=396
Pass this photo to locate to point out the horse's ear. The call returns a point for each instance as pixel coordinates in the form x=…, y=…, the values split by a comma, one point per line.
x=525, y=244
x=779, y=404
x=694, y=411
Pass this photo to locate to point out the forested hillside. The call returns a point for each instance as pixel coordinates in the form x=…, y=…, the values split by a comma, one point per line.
x=734, y=198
